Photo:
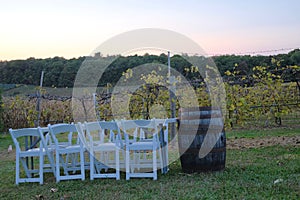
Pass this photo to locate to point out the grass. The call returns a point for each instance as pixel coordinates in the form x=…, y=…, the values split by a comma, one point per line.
x=249, y=174
x=262, y=133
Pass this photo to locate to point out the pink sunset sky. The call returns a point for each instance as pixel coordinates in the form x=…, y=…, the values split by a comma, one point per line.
x=73, y=28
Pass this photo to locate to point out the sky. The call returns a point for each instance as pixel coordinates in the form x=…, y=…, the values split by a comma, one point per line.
x=73, y=28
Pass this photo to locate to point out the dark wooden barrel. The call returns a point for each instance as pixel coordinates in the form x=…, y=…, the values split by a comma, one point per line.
x=194, y=125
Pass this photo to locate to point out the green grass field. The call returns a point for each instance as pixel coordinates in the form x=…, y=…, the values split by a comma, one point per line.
x=271, y=172
x=263, y=133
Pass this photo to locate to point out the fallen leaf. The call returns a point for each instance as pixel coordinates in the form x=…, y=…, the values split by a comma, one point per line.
x=53, y=190
x=278, y=181
x=39, y=197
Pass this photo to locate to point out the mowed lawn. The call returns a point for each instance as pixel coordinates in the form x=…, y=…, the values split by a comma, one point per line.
x=263, y=172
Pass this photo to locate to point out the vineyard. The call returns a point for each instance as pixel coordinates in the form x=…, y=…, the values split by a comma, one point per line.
x=268, y=102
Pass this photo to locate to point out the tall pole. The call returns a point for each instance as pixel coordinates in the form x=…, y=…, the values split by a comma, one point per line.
x=34, y=140
x=169, y=65
x=96, y=107
x=172, y=95
x=38, y=106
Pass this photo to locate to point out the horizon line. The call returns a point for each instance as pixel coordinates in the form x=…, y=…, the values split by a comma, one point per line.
x=272, y=52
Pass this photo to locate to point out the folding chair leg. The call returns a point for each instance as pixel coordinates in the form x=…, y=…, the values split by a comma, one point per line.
x=57, y=170
x=82, y=165
x=17, y=169
x=64, y=164
x=154, y=165
x=73, y=161
x=117, y=161
x=92, y=168
x=41, y=172
x=98, y=166
x=161, y=160
x=28, y=174
x=52, y=163
x=127, y=160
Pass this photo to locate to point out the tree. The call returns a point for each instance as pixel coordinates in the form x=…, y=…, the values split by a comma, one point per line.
x=295, y=57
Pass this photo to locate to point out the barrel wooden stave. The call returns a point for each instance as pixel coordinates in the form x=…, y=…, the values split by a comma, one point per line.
x=195, y=124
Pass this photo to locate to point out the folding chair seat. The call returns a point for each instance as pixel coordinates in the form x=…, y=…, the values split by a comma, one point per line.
x=19, y=137
x=68, y=149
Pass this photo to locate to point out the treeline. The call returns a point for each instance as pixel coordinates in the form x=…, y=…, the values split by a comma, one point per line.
x=61, y=72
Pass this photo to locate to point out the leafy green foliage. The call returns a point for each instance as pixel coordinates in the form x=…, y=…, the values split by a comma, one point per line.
x=267, y=96
x=20, y=112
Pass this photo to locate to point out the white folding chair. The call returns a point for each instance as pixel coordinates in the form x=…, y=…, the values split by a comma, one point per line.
x=22, y=154
x=141, y=160
x=50, y=150
x=104, y=151
x=144, y=136
x=87, y=138
x=67, y=147
x=164, y=130
x=82, y=133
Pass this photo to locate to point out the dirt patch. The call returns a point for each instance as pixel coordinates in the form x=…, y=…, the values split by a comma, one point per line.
x=240, y=143
x=5, y=155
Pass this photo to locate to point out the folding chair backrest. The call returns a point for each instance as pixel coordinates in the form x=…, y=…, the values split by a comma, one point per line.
x=148, y=128
x=45, y=132
x=109, y=125
x=18, y=134
x=130, y=129
x=62, y=128
x=145, y=129
x=113, y=129
x=94, y=131
x=81, y=129
x=24, y=132
x=151, y=124
x=58, y=132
